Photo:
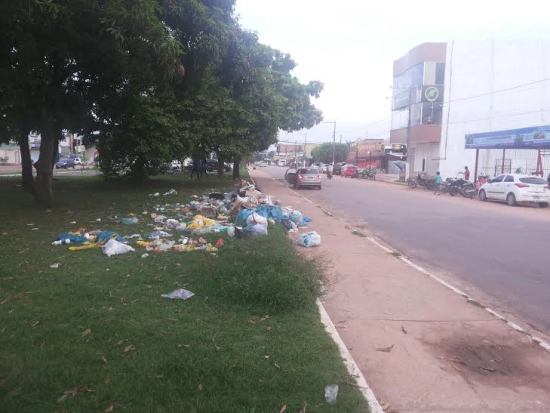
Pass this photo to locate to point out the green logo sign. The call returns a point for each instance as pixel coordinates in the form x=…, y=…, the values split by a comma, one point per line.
x=431, y=93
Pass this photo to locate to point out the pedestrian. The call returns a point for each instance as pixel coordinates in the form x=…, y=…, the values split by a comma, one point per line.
x=196, y=169
x=438, y=180
x=466, y=174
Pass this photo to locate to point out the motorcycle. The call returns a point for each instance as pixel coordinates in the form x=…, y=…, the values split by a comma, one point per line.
x=460, y=186
x=421, y=180
x=368, y=173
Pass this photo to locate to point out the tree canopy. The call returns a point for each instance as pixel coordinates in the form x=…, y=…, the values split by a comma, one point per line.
x=323, y=152
x=146, y=80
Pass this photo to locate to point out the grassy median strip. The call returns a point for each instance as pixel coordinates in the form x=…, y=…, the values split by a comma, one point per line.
x=95, y=335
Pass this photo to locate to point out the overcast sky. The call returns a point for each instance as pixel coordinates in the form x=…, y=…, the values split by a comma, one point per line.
x=350, y=46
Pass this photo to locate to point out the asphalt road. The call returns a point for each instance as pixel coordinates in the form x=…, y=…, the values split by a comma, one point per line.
x=503, y=252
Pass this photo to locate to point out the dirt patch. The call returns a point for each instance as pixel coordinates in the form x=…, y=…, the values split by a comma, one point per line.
x=496, y=363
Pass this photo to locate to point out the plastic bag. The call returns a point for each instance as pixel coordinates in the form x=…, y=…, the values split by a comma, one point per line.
x=242, y=216
x=129, y=220
x=255, y=218
x=179, y=294
x=296, y=217
x=331, y=393
x=309, y=239
x=113, y=247
x=257, y=229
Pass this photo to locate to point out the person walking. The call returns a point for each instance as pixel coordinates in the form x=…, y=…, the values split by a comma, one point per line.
x=466, y=174
x=438, y=181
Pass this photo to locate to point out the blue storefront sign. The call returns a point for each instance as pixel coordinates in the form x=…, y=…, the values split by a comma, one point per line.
x=537, y=137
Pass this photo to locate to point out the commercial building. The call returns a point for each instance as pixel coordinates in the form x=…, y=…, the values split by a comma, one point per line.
x=474, y=103
x=498, y=101
x=418, y=82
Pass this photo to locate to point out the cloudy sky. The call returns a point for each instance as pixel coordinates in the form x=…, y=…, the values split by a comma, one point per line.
x=350, y=45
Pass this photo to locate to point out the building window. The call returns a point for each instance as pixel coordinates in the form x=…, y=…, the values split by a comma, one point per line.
x=409, y=78
x=400, y=119
x=432, y=113
x=440, y=73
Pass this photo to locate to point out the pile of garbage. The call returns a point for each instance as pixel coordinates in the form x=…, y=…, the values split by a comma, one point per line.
x=181, y=227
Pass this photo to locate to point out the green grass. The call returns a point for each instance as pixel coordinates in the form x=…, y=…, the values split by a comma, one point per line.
x=250, y=340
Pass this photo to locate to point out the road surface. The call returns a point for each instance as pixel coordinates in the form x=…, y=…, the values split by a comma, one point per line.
x=501, y=251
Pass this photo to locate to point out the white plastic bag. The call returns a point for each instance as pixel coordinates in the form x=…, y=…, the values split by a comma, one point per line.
x=255, y=218
x=309, y=239
x=113, y=247
x=179, y=294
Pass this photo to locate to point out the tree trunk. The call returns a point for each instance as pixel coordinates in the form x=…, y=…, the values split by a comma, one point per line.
x=236, y=168
x=44, y=169
x=220, y=166
x=26, y=164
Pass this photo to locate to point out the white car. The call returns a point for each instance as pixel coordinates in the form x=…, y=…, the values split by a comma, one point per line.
x=516, y=189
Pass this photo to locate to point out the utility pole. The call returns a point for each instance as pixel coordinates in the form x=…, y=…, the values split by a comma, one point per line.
x=333, y=140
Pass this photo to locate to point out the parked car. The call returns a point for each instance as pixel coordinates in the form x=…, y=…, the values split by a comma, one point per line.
x=76, y=160
x=308, y=177
x=65, y=163
x=349, y=170
x=514, y=189
x=303, y=177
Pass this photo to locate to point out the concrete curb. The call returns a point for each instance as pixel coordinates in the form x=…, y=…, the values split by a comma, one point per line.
x=351, y=365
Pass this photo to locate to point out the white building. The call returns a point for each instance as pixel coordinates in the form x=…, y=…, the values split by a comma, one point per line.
x=494, y=86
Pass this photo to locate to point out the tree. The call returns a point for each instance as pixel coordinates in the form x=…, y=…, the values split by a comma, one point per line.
x=323, y=152
x=61, y=61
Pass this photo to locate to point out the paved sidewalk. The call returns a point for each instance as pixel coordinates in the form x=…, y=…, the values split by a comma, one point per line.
x=422, y=347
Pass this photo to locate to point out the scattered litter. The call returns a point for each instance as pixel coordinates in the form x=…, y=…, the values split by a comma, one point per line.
x=331, y=393
x=179, y=294
x=144, y=255
x=404, y=330
x=98, y=220
x=72, y=222
x=309, y=239
x=358, y=233
x=386, y=349
x=129, y=220
x=170, y=192
x=55, y=265
x=155, y=194
x=114, y=247
x=34, y=229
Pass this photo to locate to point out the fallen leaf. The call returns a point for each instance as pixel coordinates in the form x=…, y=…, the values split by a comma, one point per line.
x=86, y=332
x=129, y=348
x=283, y=409
x=385, y=349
